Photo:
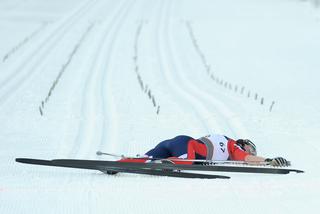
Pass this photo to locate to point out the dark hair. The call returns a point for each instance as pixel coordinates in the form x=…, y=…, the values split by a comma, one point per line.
x=243, y=142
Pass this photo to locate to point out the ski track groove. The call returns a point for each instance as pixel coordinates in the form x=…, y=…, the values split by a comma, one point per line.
x=112, y=130
x=174, y=81
x=200, y=98
x=165, y=70
x=88, y=140
x=88, y=95
x=225, y=107
x=221, y=111
x=25, y=70
x=90, y=101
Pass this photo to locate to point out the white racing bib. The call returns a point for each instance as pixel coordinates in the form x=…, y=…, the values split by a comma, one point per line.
x=220, y=147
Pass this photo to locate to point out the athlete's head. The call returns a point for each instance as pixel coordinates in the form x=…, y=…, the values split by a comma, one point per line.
x=247, y=146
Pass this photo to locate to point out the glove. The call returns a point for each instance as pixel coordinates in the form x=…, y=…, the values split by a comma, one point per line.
x=279, y=161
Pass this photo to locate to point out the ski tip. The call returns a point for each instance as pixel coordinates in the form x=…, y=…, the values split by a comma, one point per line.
x=24, y=160
x=33, y=161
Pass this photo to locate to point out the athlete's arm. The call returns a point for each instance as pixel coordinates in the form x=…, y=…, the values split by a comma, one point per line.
x=252, y=158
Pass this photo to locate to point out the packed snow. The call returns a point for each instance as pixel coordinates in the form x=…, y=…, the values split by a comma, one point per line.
x=120, y=76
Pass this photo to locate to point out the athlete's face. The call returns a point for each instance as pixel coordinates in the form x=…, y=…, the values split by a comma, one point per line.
x=250, y=150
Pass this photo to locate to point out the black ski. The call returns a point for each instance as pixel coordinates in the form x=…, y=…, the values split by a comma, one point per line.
x=221, y=168
x=92, y=164
x=167, y=173
x=97, y=165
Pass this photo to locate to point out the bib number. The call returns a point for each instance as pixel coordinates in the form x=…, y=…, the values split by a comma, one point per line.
x=222, y=147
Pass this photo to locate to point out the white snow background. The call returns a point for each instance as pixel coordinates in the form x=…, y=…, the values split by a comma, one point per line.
x=120, y=76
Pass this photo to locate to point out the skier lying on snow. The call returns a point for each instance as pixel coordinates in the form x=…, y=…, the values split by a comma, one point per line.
x=212, y=147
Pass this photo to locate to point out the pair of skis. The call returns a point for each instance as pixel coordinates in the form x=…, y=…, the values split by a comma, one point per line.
x=110, y=167
x=160, y=168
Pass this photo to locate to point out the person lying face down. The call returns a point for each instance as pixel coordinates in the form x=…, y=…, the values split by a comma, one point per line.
x=213, y=147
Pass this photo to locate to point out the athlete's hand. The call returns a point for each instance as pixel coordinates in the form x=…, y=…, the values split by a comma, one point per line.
x=279, y=161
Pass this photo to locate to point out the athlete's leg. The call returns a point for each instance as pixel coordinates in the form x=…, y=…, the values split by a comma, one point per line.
x=179, y=146
x=173, y=147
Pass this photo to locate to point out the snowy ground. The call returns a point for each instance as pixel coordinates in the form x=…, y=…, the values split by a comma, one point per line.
x=120, y=76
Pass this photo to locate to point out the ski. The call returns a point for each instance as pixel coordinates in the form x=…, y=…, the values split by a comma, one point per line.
x=211, y=162
x=156, y=172
x=94, y=165
x=197, y=167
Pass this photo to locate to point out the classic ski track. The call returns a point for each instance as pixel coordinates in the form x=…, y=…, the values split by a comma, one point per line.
x=110, y=124
x=166, y=69
x=90, y=135
x=93, y=97
x=217, y=101
x=179, y=84
x=90, y=105
x=25, y=70
x=221, y=112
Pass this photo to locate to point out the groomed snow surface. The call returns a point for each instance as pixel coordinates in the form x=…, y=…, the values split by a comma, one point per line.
x=120, y=76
